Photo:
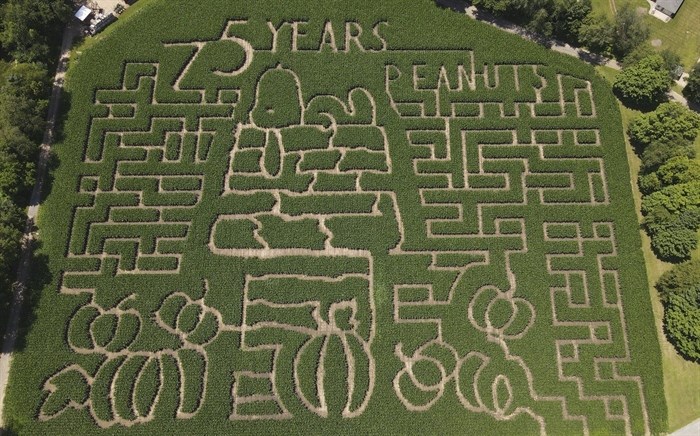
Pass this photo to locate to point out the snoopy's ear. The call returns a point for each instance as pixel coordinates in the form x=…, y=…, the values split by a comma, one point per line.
x=67, y=389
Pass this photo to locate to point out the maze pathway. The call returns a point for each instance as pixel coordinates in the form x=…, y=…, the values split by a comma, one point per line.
x=255, y=235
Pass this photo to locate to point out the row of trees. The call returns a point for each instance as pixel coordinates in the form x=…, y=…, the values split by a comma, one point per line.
x=29, y=32
x=573, y=21
x=669, y=178
x=669, y=181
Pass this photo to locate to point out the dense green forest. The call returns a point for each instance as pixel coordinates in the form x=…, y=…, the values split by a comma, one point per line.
x=30, y=36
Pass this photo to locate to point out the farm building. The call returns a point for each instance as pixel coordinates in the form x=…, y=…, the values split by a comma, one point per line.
x=668, y=7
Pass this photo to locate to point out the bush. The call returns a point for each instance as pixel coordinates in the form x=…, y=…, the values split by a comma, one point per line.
x=630, y=30
x=681, y=276
x=674, y=242
x=682, y=322
x=30, y=27
x=596, y=34
x=11, y=224
x=673, y=236
x=649, y=183
x=679, y=170
x=643, y=84
x=659, y=152
x=668, y=123
x=675, y=198
x=692, y=88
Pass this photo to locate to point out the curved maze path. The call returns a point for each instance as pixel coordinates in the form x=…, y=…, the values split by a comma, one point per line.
x=438, y=233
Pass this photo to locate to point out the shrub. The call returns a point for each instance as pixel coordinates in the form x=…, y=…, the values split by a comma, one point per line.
x=668, y=123
x=643, y=84
x=682, y=322
x=11, y=223
x=679, y=170
x=681, y=276
x=675, y=198
x=649, y=183
x=692, y=88
x=660, y=151
x=674, y=242
x=630, y=30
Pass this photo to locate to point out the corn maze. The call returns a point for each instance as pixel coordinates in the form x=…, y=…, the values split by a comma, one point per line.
x=340, y=217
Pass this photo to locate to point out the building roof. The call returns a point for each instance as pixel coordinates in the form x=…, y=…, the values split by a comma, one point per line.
x=83, y=13
x=669, y=5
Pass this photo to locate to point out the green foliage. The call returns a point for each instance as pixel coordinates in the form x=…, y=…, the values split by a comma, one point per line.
x=669, y=123
x=26, y=39
x=28, y=26
x=674, y=242
x=692, y=88
x=679, y=170
x=671, y=59
x=643, y=84
x=682, y=322
x=660, y=151
x=147, y=207
x=630, y=30
x=674, y=198
x=11, y=225
x=649, y=183
x=682, y=276
x=596, y=34
x=559, y=18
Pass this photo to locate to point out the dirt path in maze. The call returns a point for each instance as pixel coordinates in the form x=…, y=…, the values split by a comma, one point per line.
x=23, y=270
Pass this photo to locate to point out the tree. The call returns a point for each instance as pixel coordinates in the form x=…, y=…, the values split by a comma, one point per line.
x=674, y=242
x=11, y=223
x=671, y=60
x=643, y=84
x=673, y=236
x=541, y=23
x=679, y=170
x=675, y=198
x=681, y=276
x=596, y=34
x=682, y=322
x=23, y=103
x=648, y=183
x=569, y=16
x=27, y=26
x=667, y=123
x=499, y=7
x=692, y=89
x=636, y=55
x=629, y=32
x=660, y=151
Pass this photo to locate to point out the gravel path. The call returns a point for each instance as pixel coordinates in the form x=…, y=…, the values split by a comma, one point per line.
x=23, y=270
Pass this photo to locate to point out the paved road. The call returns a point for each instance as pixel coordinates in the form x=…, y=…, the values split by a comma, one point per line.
x=692, y=429
x=23, y=270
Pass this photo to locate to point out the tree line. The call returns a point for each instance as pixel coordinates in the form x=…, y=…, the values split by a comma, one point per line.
x=573, y=21
x=30, y=35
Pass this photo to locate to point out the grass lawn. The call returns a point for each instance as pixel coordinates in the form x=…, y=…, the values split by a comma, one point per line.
x=681, y=377
x=681, y=34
